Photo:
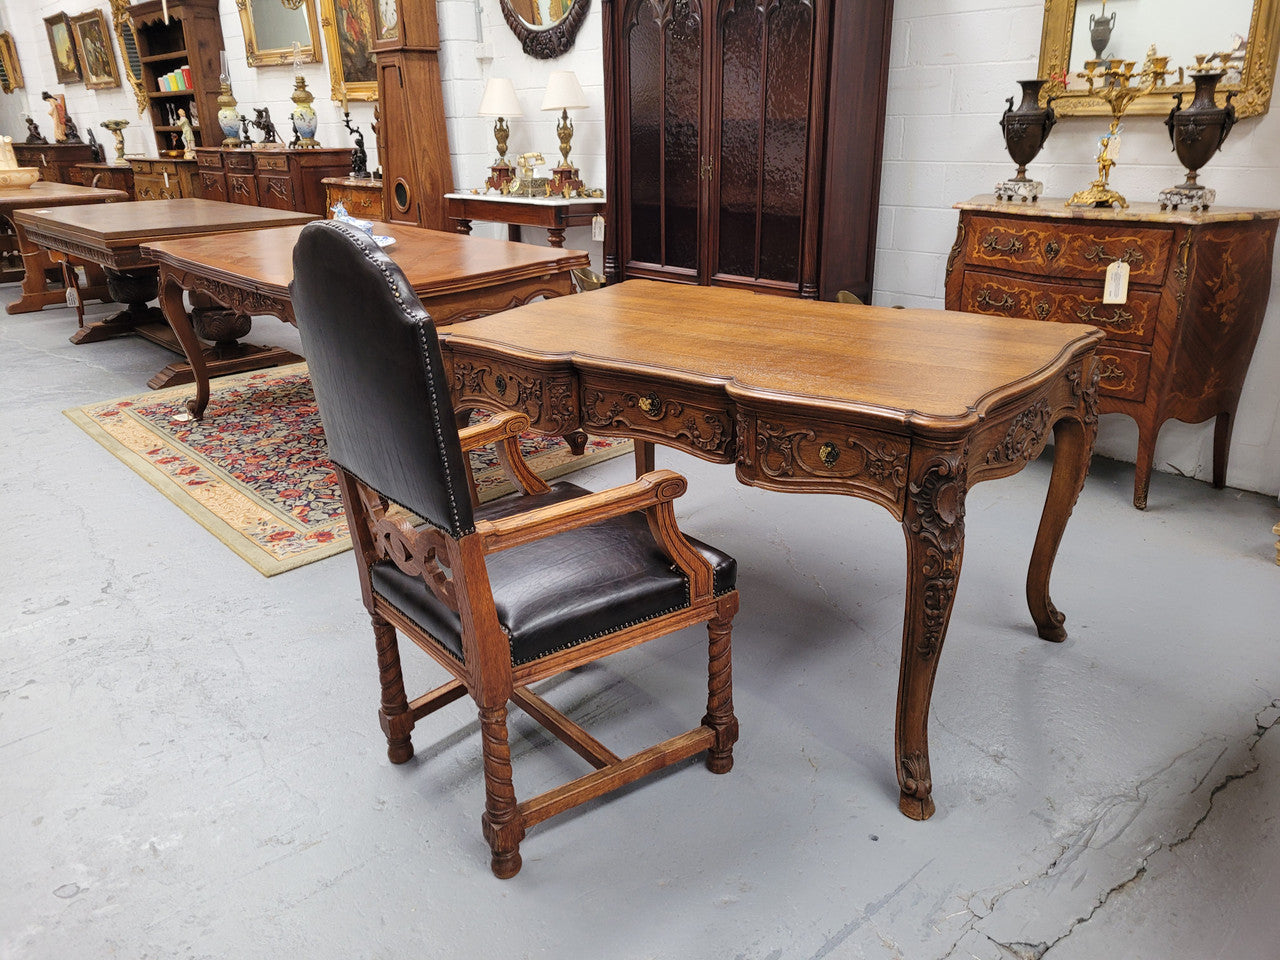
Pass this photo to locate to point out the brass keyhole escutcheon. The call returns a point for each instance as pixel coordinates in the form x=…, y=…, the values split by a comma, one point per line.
x=501, y=383
x=649, y=403
x=1052, y=249
x=829, y=453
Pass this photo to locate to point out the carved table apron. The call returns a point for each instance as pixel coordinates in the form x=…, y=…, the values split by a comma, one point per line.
x=905, y=408
x=456, y=278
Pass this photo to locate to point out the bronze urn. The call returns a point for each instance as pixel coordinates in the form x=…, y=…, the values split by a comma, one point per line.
x=1196, y=132
x=1100, y=28
x=1025, y=131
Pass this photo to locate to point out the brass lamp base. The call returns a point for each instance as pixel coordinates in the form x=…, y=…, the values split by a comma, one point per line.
x=1097, y=195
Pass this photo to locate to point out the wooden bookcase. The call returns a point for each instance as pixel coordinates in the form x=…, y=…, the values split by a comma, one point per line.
x=191, y=38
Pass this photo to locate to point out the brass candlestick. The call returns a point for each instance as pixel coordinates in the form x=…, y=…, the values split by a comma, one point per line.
x=1116, y=84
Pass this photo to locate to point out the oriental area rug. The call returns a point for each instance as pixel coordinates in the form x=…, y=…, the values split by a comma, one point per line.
x=255, y=471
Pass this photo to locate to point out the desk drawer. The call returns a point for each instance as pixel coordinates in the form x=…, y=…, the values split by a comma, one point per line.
x=1003, y=296
x=276, y=164
x=1065, y=249
x=240, y=161
x=671, y=415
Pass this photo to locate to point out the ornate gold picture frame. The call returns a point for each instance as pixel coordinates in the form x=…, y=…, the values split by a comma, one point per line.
x=1253, y=92
x=275, y=55
x=348, y=38
x=10, y=69
x=93, y=41
x=130, y=58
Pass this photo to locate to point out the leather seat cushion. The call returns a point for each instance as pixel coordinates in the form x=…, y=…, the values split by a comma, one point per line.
x=557, y=592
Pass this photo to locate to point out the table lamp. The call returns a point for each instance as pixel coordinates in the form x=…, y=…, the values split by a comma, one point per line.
x=564, y=93
x=500, y=101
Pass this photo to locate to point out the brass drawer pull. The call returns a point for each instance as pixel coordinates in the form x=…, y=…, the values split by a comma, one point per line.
x=829, y=453
x=1051, y=250
x=651, y=404
x=1098, y=253
x=992, y=243
x=1120, y=320
x=987, y=298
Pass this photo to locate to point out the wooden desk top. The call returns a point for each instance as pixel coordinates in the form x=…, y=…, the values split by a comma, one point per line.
x=44, y=193
x=931, y=371
x=124, y=225
x=433, y=261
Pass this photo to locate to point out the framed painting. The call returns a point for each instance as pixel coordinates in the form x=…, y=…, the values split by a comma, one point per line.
x=62, y=43
x=10, y=69
x=348, y=38
x=97, y=61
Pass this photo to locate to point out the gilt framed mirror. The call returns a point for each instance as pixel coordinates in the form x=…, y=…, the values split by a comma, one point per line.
x=545, y=28
x=1242, y=33
x=272, y=27
x=130, y=58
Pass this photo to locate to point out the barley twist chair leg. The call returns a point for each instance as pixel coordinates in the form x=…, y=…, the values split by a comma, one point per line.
x=720, y=717
x=501, y=822
x=394, y=716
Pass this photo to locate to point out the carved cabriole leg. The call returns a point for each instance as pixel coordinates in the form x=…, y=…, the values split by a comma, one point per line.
x=176, y=313
x=393, y=715
x=1221, y=445
x=1142, y=465
x=501, y=823
x=1073, y=438
x=933, y=520
x=720, y=717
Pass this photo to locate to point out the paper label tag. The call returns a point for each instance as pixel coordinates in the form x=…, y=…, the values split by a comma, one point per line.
x=1116, y=287
x=166, y=179
x=73, y=298
x=597, y=227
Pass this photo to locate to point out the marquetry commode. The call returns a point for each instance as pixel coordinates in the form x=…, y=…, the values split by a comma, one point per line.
x=1177, y=347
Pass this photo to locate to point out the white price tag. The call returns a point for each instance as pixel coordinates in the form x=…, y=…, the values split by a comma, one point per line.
x=166, y=179
x=597, y=227
x=1116, y=287
x=73, y=298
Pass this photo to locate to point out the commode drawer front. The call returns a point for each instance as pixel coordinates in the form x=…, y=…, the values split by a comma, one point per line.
x=1065, y=249
x=1122, y=373
x=1133, y=321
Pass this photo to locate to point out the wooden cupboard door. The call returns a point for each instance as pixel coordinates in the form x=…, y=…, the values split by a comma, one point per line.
x=762, y=86
x=664, y=56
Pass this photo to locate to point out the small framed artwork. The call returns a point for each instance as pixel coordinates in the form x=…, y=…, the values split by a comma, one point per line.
x=66, y=61
x=348, y=36
x=97, y=59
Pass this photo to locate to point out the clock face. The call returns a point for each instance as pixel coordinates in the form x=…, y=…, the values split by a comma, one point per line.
x=388, y=20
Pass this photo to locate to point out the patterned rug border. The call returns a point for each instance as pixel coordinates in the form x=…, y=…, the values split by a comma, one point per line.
x=237, y=540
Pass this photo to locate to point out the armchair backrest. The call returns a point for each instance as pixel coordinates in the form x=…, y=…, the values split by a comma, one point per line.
x=378, y=375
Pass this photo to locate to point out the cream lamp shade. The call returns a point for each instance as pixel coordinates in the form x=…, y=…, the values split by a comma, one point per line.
x=564, y=92
x=500, y=99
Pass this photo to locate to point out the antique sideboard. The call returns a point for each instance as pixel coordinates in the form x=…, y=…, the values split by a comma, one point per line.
x=281, y=178
x=55, y=160
x=1181, y=335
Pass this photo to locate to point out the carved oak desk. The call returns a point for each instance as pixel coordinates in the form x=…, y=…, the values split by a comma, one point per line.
x=455, y=277
x=35, y=286
x=907, y=408
x=113, y=236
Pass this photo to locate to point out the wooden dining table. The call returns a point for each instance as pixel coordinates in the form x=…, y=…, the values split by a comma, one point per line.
x=42, y=195
x=906, y=408
x=113, y=236
x=456, y=278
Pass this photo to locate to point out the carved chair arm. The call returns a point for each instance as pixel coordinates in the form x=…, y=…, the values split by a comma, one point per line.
x=503, y=431
x=651, y=493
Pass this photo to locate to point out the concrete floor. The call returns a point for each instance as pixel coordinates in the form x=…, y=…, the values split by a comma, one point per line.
x=192, y=765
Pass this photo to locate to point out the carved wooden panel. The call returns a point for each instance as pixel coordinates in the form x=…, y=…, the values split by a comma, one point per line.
x=1069, y=250
x=1011, y=296
x=242, y=188
x=783, y=451
x=675, y=418
x=276, y=192
x=549, y=401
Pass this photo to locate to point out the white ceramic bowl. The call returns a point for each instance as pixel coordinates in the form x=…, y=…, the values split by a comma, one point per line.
x=19, y=177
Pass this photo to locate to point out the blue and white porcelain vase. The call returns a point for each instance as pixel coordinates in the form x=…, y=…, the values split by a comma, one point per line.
x=304, y=115
x=228, y=117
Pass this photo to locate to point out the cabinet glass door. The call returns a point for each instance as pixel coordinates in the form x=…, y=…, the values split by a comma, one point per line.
x=763, y=111
x=665, y=57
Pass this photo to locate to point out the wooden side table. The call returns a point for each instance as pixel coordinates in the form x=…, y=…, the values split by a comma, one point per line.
x=553, y=213
x=1179, y=341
